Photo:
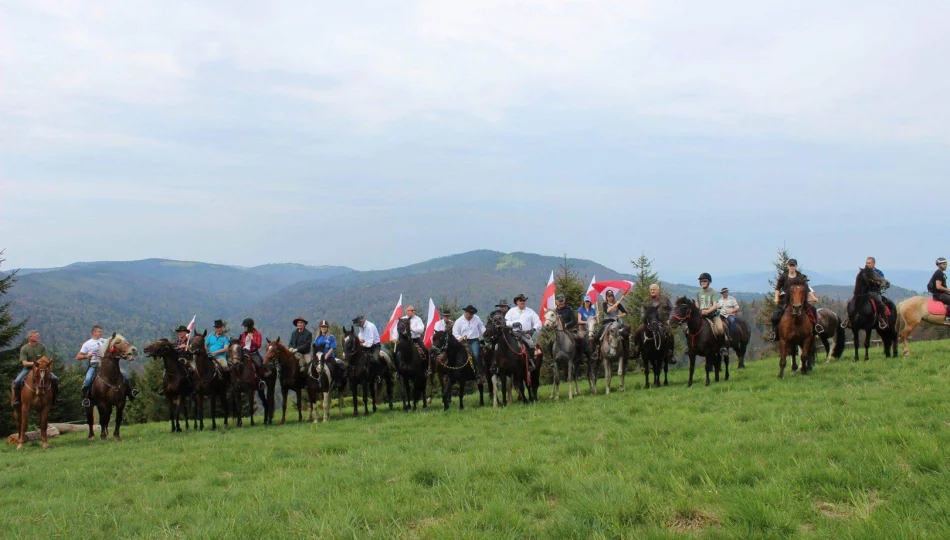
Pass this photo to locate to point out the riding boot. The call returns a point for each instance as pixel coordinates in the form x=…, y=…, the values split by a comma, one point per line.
x=86, y=399
x=15, y=394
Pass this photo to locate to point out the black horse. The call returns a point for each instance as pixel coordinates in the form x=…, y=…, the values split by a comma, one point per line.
x=360, y=369
x=509, y=359
x=889, y=334
x=700, y=339
x=829, y=328
x=458, y=366
x=655, y=347
x=739, y=339
x=861, y=312
x=411, y=364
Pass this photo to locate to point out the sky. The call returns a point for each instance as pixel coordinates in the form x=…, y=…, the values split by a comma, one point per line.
x=379, y=134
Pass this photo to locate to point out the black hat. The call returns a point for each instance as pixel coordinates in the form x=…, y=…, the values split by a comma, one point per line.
x=248, y=322
x=305, y=321
x=705, y=277
x=502, y=303
x=445, y=313
x=793, y=262
x=182, y=328
x=218, y=323
x=358, y=319
x=724, y=289
x=520, y=297
x=560, y=298
x=470, y=309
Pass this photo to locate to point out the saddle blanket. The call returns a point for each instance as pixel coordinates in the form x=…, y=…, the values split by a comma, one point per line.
x=936, y=307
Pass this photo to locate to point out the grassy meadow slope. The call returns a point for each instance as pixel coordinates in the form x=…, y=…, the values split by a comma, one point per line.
x=855, y=450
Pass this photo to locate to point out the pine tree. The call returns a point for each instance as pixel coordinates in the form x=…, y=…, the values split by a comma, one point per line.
x=645, y=276
x=764, y=315
x=9, y=330
x=569, y=283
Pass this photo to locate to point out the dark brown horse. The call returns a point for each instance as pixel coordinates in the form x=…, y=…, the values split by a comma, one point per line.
x=109, y=389
x=211, y=382
x=412, y=364
x=795, y=331
x=509, y=359
x=829, y=329
x=291, y=378
x=456, y=365
x=656, y=346
x=700, y=338
x=360, y=370
x=245, y=381
x=178, y=386
x=889, y=333
x=37, y=393
x=862, y=311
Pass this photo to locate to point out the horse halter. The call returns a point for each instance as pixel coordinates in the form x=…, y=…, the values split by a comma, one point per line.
x=42, y=378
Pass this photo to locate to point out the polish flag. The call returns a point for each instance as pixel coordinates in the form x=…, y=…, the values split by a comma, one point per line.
x=547, y=301
x=591, y=292
x=618, y=287
x=191, y=326
x=430, y=324
x=389, y=334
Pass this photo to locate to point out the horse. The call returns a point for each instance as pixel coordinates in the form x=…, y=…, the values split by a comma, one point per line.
x=510, y=359
x=657, y=347
x=210, y=381
x=458, y=367
x=700, y=338
x=360, y=370
x=889, y=333
x=177, y=383
x=915, y=310
x=322, y=377
x=861, y=314
x=109, y=390
x=830, y=328
x=291, y=378
x=739, y=340
x=610, y=348
x=411, y=364
x=563, y=354
x=795, y=331
x=245, y=381
x=37, y=393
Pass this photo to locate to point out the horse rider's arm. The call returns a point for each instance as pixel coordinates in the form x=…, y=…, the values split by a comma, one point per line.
x=812, y=297
x=24, y=360
x=580, y=320
x=941, y=286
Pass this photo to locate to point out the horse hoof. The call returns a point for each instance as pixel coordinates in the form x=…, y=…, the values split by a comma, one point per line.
x=91, y=438
x=117, y=438
x=46, y=446
x=19, y=446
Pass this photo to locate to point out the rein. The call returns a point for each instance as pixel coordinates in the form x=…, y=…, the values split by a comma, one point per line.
x=39, y=387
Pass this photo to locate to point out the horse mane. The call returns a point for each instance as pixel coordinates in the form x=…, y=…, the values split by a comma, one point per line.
x=107, y=344
x=682, y=300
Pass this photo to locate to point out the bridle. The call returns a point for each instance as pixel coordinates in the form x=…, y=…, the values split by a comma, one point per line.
x=43, y=376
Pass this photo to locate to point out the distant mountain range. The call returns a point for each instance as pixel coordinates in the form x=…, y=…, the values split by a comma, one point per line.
x=146, y=299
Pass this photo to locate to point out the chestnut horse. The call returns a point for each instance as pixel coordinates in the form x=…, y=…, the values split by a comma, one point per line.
x=912, y=312
x=37, y=393
x=177, y=384
x=109, y=390
x=291, y=378
x=210, y=382
x=245, y=381
x=795, y=331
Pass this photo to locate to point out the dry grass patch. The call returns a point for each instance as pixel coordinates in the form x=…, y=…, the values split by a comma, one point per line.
x=692, y=521
x=860, y=506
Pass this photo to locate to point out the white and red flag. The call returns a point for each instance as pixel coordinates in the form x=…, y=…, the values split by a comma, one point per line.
x=430, y=324
x=191, y=326
x=591, y=292
x=617, y=286
x=389, y=333
x=547, y=300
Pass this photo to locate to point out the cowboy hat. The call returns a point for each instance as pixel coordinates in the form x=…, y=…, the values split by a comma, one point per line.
x=470, y=309
x=182, y=328
x=218, y=323
x=520, y=297
x=502, y=303
x=305, y=321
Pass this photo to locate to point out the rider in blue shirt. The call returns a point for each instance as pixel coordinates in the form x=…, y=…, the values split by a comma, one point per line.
x=324, y=347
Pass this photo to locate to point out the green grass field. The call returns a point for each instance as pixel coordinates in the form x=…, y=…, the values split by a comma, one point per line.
x=851, y=451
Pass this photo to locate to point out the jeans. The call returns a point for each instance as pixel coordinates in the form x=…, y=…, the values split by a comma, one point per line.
x=26, y=371
x=731, y=319
x=475, y=347
x=91, y=373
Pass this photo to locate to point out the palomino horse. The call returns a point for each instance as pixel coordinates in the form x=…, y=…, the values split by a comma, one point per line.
x=830, y=328
x=563, y=351
x=411, y=364
x=915, y=310
x=211, y=382
x=861, y=310
x=610, y=350
x=456, y=365
x=656, y=348
x=795, y=331
x=700, y=338
x=177, y=384
x=109, y=390
x=291, y=378
x=245, y=381
x=37, y=393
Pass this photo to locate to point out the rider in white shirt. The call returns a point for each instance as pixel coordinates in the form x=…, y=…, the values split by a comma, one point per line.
x=369, y=337
x=527, y=318
x=469, y=329
x=416, y=327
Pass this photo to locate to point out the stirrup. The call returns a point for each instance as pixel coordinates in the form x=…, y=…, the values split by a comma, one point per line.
x=86, y=403
x=882, y=324
x=134, y=393
x=819, y=329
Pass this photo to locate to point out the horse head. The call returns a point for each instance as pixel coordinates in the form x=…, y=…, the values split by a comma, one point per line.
x=797, y=295
x=235, y=351
x=351, y=343
x=158, y=349
x=275, y=350
x=683, y=310
x=196, y=345
x=551, y=318
x=42, y=375
x=404, y=329
x=440, y=339
x=119, y=347
x=651, y=318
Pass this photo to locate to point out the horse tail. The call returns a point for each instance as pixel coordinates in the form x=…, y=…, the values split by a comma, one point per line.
x=838, y=349
x=901, y=322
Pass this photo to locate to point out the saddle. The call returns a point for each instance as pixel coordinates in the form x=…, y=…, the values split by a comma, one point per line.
x=936, y=307
x=887, y=310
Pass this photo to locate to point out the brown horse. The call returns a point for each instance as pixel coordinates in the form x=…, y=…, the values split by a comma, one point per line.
x=912, y=312
x=109, y=390
x=210, y=381
x=245, y=381
x=37, y=393
x=795, y=331
x=290, y=377
x=177, y=383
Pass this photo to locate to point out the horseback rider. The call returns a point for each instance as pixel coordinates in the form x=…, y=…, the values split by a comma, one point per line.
x=250, y=340
x=181, y=342
x=586, y=315
x=369, y=339
x=30, y=352
x=613, y=311
x=938, y=286
x=502, y=310
x=875, y=288
x=325, y=344
x=300, y=342
x=468, y=329
x=664, y=307
x=528, y=321
x=445, y=323
x=728, y=309
x=417, y=328
x=92, y=350
x=709, y=306
x=790, y=277
x=218, y=344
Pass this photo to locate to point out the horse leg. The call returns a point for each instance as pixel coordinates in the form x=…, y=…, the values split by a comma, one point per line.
x=555, y=391
x=326, y=404
x=692, y=368
x=622, y=371
x=104, y=414
x=867, y=344
x=366, y=390
x=170, y=400
x=461, y=393
x=725, y=361
x=570, y=378
x=495, y=380
x=857, y=344
x=607, y=374
x=782, y=351
x=299, y=392
x=446, y=393
x=200, y=409
x=390, y=383
x=44, y=423
x=709, y=365
x=118, y=421
x=22, y=417
x=250, y=406
x=646, y=372
x=89, y=420
x=666, y=381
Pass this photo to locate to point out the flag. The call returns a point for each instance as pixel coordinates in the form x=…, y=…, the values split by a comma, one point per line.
x=617, y=286
x=547, y=301
x=191, y=326
x=430, y=324
x=389, y=334
x=591, y=292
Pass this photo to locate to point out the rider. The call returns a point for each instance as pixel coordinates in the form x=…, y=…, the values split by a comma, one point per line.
x=369, y=338
x=181, y=344
x=417, y=328
x=300, y=342
x=664, y=309
x=325, y=344
x=250, y=340
x=790, y=277
x=528, y=320
x=875, y=288
x=32, y=351
x=728, y=309
x=469, y=329
x=218, y=344
x=444, y=323
x=938, y=286
x=587, y=312
x=613, y=310
x=709, y=306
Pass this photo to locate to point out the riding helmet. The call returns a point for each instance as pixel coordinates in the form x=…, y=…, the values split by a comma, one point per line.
x=248, y=322
x=941, y=260
x=705, y=277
